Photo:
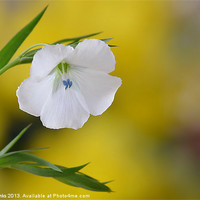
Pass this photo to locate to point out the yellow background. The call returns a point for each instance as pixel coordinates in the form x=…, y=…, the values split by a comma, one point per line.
x=145, y=140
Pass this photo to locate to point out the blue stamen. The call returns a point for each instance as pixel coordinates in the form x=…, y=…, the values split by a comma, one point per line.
x=67, y=83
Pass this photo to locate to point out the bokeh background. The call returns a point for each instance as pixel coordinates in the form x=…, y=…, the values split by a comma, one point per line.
x=148, y=141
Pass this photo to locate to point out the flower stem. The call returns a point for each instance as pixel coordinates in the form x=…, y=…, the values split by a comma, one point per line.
x=10, y=64
x=17, y=60
x=31, y=47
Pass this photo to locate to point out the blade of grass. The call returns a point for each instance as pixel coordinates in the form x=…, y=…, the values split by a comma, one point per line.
x=13, y=159
x=47, y=172
x=75, y=38
x=11, y=47
x=22, y=151
x=69, y=176
x=79, y=180
x=12, y=143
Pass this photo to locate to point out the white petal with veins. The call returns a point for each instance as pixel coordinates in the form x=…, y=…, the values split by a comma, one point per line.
x=65, y=109
x=94, y=54
x=98, y=88
x=46, y=59
x=33, y=94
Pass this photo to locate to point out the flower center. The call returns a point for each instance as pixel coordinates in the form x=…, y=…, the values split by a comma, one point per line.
x=63, y=67
x=62, y=73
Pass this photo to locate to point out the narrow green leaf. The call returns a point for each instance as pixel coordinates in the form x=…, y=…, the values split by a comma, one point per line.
x=89, y=177
x=75, y=43
x=107, y=182
x=11, y=47
x=75, y=38
x=37, y=170
x=112, y=45
x=22, y=151
x=68, y=176
x=79, y=180
x=74, y=169
x=47, y=172
x=37, y=166
x=106, y=40
x=16, y=158
x=10, y=145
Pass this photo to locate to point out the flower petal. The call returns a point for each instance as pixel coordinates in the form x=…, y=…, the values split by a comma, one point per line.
x=46, y=59
x=65, y=109
x=33, y=94
x=98, y=88
x=94, y=54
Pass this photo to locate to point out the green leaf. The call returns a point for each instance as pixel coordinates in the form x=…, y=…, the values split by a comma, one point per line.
x=80, y=180
x=37, y=166
x=47, y=172
x=107, y=182
x=11, y=47
x=27, y=162
x=75, y=38
x=22, y=151
x=16, y=158
x=106, y=40
x=74, y=44
x=69, y=176
x=112, y=45
x=12, y=143
x=37, y=170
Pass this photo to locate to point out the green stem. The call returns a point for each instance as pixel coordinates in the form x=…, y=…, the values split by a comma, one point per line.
x=10, y=64
x=17, y=60
x=31, y=47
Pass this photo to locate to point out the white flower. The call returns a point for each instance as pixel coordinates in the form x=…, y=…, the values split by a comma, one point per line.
x=68, y=84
